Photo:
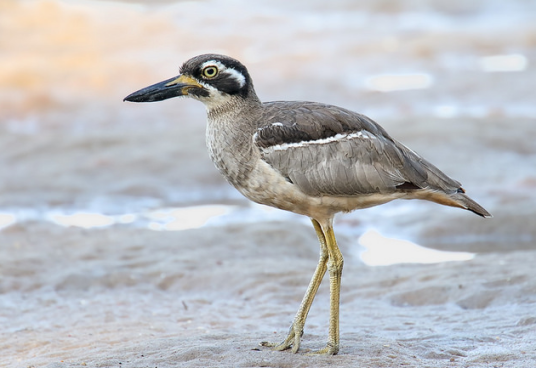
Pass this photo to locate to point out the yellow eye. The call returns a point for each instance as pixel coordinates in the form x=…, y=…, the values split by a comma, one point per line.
x=210, y=72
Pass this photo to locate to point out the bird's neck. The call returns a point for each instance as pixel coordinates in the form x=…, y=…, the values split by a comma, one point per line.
x=229, y=138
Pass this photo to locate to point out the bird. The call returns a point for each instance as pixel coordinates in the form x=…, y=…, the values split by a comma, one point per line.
x=309, y=158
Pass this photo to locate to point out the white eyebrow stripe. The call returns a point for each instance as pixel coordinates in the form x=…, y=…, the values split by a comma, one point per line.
x=215, y=63
x=239, y=77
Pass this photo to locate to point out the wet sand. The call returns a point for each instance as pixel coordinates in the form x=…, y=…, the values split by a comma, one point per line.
x=198, y=298
x=127, y=296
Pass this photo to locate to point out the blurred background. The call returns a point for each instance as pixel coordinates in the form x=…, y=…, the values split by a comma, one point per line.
x=454, y=80
x=94, y=191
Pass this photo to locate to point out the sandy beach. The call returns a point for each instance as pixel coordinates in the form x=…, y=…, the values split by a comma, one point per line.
x=121, y=246
x=197, y=298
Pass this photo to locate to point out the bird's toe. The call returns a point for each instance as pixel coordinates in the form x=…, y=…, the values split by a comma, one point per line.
x=293, y=341
x=330, y=349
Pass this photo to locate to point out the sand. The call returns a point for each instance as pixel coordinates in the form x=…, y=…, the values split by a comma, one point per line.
x=128, y=293
x=196, y=298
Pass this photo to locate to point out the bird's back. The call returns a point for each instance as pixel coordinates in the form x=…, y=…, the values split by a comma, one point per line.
x=330, y=151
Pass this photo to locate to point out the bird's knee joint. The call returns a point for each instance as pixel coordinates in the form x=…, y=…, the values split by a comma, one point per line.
x=335, y=264
x=297, y=327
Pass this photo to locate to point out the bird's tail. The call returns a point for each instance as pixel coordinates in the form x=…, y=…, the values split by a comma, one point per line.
x=465, y=202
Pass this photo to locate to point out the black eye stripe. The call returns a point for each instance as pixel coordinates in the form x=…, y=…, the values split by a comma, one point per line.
x=231, y=77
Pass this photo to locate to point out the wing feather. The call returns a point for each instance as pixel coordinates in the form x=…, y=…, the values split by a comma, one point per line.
x=326, y=150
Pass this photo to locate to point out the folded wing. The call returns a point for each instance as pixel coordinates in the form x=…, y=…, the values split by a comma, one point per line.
x=326, y=150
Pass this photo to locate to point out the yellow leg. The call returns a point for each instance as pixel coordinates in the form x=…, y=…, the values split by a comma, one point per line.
x=335, y=265
x=296, y=329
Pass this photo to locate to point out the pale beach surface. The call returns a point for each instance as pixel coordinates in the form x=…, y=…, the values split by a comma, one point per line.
x=121, y=245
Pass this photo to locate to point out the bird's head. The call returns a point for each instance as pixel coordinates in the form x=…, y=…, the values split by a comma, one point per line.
x=212, y=79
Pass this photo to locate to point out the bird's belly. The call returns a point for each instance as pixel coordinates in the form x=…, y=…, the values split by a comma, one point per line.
x=266, y=186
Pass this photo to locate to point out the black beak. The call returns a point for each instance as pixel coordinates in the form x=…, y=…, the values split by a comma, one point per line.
x=174, y=87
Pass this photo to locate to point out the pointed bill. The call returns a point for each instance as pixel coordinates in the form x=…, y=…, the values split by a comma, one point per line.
x=173, y=87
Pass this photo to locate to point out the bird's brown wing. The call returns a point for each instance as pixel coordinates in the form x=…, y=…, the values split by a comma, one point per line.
x=327, y=150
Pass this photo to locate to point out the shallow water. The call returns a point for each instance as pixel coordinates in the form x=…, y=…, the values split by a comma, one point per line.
x=371, y=247
x=110, y=211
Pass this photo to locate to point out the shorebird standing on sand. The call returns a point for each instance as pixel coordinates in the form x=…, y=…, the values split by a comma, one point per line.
x=305, y=157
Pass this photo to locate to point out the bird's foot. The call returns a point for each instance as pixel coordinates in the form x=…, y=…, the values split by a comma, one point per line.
x=292, y=341
x=330, y=349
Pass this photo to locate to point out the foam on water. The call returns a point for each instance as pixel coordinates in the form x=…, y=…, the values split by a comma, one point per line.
x=175, y=219
x=503, y=63
x=84, y=220
x=399, y=82
x=382, y=251
x=7, y=219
